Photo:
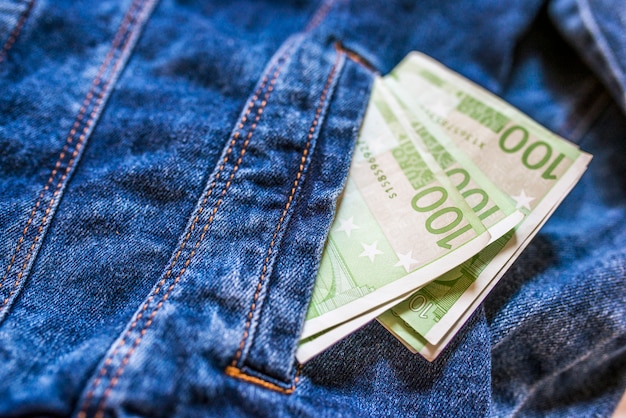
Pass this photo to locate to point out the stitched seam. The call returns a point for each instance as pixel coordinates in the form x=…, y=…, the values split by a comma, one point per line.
x=16, y=30
x=86, y=104
x=303, y=159
x=191, y=228
x=320, y=15
x=137, y=341
x=124, y=29
x=148, y=323
x=70, y=138
x=239, y=374
x=198, y=213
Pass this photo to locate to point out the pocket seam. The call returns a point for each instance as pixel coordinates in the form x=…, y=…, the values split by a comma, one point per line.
x=119, y=370
x=232, y=370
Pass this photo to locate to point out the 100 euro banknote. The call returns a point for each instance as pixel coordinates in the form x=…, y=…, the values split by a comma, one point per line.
x=495, y=209
x=531, y=165
x=400, y=224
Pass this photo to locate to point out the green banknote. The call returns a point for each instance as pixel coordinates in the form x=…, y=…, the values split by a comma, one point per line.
x=400, y=224
x=494, y=208
x=407, y=335
x=531, y=165
x=431, y=351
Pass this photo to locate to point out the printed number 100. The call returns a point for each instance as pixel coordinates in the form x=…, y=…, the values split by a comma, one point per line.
x=442, y=220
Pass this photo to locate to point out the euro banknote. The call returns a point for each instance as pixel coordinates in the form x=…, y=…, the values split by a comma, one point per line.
x=525, y=167
x=495, y=209
x=527, y=162
x=400, y=224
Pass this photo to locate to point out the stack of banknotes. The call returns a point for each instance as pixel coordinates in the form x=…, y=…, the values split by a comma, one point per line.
x=447, y=186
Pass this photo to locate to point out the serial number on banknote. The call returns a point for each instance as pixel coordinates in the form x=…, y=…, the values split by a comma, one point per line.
x=376, y=170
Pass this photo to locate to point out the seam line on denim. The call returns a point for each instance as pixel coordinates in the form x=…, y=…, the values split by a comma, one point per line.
x=195, y=220
x=16, y=30
x=174, y=261
x=319, y=15
x=119, y=371
x=94, y=91
x=239, y=374
x=303, y=159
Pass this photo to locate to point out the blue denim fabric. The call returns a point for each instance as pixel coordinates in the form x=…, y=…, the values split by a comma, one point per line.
x=169, y=173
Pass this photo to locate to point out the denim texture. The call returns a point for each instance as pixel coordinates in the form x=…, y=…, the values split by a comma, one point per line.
x=169, y=173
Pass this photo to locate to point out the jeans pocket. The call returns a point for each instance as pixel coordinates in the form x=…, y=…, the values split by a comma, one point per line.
x=331, y=91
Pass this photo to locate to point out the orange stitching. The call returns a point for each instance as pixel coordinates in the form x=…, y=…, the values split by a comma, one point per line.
x=68, y=141
x=124, y=28
x=137, y=341
x=125, y=360
x=148, y=323
x=320, y=15
x=303, y=159
x=99, y=413
x=182, y=246
x=16, y=30
x=238, y=374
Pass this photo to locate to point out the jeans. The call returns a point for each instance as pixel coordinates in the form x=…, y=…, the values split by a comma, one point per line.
x=169, y=173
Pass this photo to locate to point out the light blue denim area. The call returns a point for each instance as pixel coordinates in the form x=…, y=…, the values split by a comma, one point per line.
x=168, y=176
